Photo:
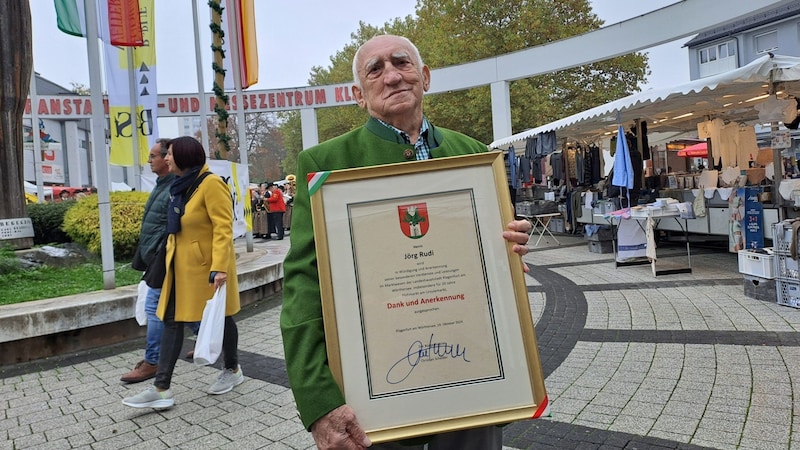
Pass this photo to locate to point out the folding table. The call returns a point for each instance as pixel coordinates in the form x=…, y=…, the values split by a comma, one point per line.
x=540, y=224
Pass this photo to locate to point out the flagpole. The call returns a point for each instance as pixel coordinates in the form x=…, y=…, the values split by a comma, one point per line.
x=234, y=39
x=37, y=142
x=99, y=151
x=137, y=180
x=201, y=89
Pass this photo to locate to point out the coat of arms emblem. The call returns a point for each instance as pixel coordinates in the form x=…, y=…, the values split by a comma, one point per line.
x=414, y=221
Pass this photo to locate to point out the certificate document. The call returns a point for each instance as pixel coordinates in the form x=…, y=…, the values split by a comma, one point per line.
x=425, y=309
x=425, y=305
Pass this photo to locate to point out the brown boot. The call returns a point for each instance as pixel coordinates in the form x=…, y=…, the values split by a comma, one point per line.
x=143, y=371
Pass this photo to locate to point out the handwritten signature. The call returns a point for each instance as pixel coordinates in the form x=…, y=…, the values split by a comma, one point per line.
x=418, y=352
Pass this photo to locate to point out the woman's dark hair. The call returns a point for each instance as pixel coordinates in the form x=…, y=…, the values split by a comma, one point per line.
x=187, y=152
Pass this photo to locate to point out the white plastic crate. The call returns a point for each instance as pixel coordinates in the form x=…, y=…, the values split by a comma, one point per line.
x=786, y=267
x=782, y=237
x=757, y=264
x=788, y=293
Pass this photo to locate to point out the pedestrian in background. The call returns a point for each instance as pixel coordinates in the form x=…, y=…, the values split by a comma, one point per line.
x=277, y=207
x=260, y=229
x=152, y=238
x=200, y=259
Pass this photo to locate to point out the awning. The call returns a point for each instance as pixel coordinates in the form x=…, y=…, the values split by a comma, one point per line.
x=730, y=96
x=699, y=150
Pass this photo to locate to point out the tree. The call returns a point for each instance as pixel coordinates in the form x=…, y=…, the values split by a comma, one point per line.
x=16, y=63
x=449, y=32
x=265, y=149
x=80, y=88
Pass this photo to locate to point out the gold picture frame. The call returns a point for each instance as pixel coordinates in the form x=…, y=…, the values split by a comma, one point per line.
x=427, y=318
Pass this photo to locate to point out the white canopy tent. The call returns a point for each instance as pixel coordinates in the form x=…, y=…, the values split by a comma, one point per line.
x=673, y=111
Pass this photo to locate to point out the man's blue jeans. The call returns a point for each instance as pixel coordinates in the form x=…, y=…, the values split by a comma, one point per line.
x=155, y=327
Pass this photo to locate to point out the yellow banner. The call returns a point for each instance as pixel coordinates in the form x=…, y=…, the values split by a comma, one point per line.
x=144, y=120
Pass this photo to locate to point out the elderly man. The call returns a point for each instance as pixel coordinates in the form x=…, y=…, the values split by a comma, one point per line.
x=390, y=81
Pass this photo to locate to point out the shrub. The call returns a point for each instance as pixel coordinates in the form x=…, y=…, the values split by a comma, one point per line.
x=82, y=222
x=47, y=219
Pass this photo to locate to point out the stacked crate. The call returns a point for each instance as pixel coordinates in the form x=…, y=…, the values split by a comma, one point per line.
x=600, y=241
x=787, y=274
x=759, y=273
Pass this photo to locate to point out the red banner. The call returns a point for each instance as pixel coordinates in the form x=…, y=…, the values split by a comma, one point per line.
x=124, y=24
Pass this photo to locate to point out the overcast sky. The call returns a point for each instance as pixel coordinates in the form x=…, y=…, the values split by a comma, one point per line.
x=292, y=37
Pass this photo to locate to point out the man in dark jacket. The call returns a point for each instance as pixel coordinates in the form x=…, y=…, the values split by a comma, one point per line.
x=151, y=237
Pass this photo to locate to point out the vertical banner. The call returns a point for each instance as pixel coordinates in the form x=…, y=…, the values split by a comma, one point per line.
x=238, y=180
x=240, y=14
x=736, y=221
x=143, y=120
x=753, y=219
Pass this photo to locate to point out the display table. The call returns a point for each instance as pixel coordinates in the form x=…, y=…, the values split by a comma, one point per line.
x=539, y=224
x=641, y=220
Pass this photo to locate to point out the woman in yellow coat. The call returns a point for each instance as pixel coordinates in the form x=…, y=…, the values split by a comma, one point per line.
x=200, y=259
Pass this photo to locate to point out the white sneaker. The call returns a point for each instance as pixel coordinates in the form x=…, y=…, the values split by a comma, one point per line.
x=226, y=381
x=150, y=398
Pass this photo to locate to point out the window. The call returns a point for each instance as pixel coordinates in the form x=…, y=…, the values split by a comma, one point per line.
x=766, y=42
x=718, y=58
x=727, y=50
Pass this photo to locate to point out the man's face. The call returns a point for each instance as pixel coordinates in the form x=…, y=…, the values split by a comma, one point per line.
x=392, y=83
x=157, y=163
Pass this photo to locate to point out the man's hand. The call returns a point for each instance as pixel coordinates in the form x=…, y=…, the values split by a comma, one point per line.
x=517, y=232
x=339, y=429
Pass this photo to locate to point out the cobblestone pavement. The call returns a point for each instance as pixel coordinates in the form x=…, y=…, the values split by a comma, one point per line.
x=631, y=361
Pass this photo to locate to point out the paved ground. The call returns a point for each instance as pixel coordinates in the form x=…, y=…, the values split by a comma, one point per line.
x=631, y=361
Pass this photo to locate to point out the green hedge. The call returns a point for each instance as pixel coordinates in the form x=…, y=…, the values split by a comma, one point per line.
x=47, y=220
x=82, y=222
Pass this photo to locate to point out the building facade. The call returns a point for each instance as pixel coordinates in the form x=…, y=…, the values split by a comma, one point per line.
x=734, y=45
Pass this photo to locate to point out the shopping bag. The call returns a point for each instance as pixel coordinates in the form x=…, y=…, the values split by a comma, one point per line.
x=209, y=338
x=139, y=312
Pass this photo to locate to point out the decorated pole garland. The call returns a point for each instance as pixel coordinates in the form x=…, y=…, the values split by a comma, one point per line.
x=220, y=106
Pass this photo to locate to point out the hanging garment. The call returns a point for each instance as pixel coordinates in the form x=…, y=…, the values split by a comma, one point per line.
x=511, y=166
x=547, y=169
x=746, y=146
x=580, y=167
x=645, y=144
x=596, y=165
x=536, y=169
x=546, y=143
x=699, y=203
x=525, y=170
x=530, y=147
x=557, y=164
x=572, y=163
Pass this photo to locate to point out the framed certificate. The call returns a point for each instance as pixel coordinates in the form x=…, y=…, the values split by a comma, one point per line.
x=426, y=311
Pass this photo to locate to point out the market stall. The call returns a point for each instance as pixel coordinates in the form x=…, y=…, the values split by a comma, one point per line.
x=713, y=108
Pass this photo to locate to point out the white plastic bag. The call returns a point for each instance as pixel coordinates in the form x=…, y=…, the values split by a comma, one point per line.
x=209, y=339
x=139, y=312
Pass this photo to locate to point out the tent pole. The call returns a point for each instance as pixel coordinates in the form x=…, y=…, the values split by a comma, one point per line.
x=777, y=158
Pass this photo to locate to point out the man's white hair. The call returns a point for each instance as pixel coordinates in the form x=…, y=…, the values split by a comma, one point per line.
x=414, y=50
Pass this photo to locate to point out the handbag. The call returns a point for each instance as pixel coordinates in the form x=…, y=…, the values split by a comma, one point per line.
x=157, y=270
x=209, y=338
x=139, y=312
